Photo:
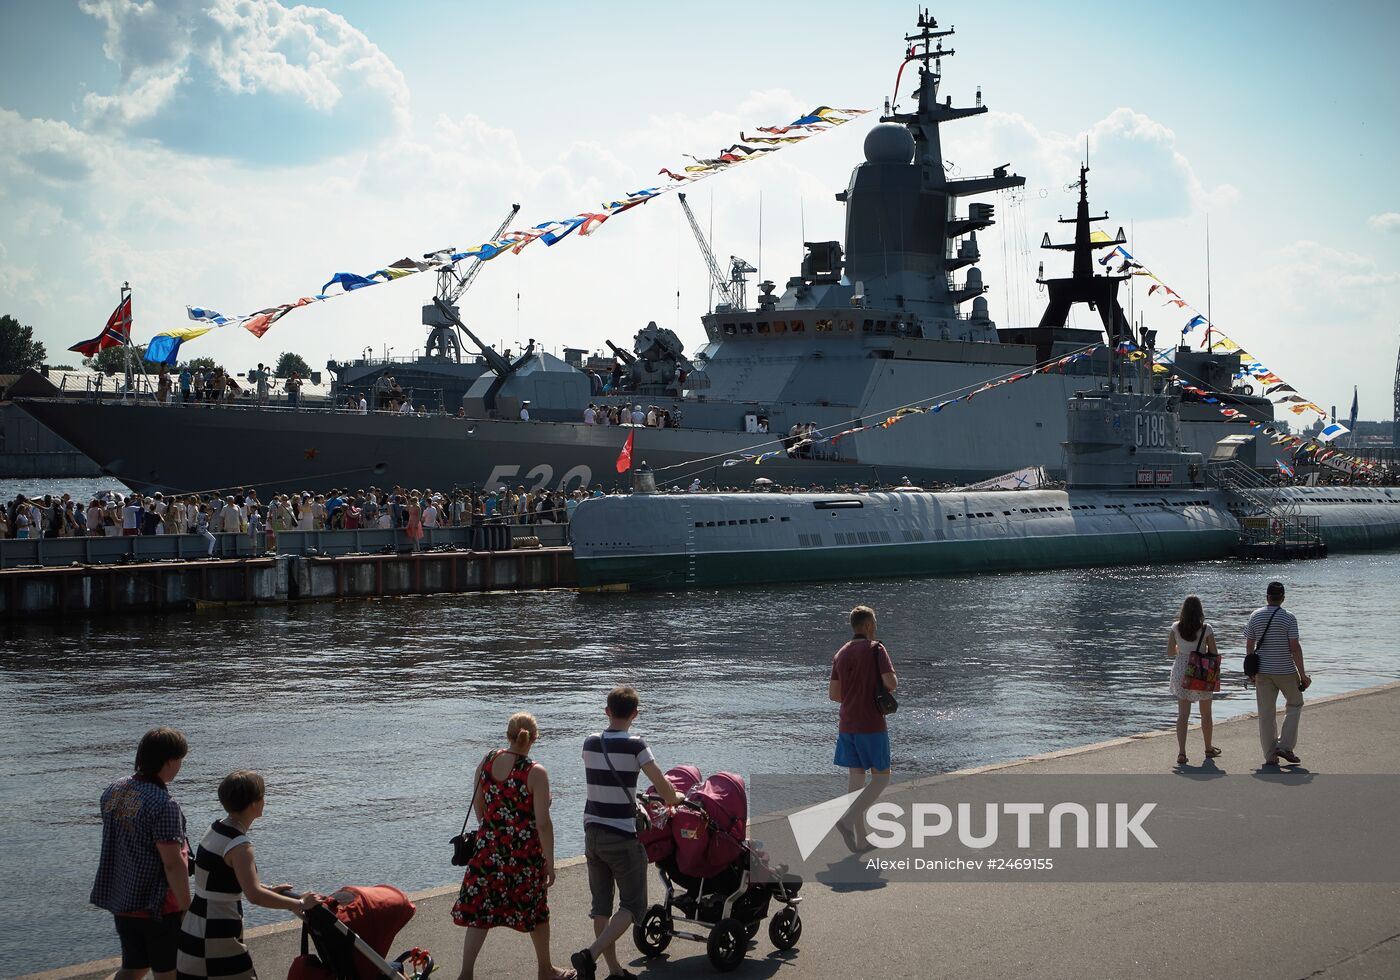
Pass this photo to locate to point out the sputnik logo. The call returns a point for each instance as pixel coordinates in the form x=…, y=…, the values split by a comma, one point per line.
x=811, y=826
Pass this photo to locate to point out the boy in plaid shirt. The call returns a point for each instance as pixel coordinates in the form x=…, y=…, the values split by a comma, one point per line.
x=143, y=872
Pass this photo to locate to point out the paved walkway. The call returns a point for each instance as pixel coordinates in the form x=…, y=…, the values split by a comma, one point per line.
x=1340, y=932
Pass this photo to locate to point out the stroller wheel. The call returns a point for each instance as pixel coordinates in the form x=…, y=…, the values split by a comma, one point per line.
x=751, y=929
x=726, y=945
x=653, y=934
x=786, y=928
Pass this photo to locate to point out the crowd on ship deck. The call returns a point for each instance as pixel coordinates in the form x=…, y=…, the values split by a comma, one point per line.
x=115, y=514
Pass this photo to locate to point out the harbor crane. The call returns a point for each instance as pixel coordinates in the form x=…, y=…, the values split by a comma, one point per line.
x=453, y=280
x=733, y=292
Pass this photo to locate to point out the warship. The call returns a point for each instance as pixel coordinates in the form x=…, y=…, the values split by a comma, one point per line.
x=1135, y=495
x=892, y=315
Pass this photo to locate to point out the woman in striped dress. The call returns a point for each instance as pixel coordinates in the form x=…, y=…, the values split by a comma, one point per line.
x=211, y=938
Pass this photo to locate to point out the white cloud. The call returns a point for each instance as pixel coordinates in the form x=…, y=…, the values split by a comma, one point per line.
x=1137, y=168
x=1385, y=221
x=236, y=77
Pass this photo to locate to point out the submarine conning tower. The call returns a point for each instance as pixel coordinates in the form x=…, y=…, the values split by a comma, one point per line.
x=905, y=239
x=1128, y=440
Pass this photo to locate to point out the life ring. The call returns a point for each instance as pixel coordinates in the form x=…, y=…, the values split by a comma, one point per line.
x=1246, y=389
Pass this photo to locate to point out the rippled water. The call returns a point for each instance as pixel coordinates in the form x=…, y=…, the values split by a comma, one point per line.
x=367, y=717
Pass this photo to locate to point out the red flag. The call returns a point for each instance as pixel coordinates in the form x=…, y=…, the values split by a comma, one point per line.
x=114, y=334
x=624, y=458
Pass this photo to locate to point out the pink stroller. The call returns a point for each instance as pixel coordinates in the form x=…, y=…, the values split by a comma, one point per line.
x=705, y=861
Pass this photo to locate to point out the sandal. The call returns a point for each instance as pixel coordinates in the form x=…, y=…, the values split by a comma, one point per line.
x=1214, y=752
x=1181, y=759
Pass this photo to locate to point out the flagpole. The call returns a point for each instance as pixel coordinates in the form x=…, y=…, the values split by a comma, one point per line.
x=126, y=324
x=1209, y=321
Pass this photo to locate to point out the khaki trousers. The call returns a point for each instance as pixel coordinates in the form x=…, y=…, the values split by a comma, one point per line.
x=1266, y=691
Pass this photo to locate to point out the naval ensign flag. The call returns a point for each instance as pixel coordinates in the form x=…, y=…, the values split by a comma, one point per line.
x=624, y=458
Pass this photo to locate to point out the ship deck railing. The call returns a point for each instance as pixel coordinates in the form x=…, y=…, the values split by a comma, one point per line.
x=32, y=552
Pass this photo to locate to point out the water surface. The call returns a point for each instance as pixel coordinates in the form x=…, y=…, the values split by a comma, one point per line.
x=367, y=717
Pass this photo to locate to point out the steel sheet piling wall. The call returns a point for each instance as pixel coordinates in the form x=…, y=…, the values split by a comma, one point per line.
x=83, y=590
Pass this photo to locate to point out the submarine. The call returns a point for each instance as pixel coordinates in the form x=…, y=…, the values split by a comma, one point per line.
x=1133, y=496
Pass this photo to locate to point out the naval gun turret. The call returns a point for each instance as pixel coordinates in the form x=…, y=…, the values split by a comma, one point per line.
x=659, y=360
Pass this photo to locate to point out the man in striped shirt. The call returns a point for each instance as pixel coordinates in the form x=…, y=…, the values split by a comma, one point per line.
x=1273, y=634
x=612, y=760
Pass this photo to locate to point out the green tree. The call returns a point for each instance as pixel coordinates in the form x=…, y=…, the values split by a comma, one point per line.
x=113, y=360
x=19, y=351
x=199, y=364
x=290, y=362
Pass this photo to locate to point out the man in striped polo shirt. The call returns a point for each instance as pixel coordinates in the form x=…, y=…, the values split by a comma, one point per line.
x=612, y=761
x=1273, y=634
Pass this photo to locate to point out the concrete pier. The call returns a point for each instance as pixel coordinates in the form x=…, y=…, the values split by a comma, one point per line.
x=992, y=929
x=153, y=587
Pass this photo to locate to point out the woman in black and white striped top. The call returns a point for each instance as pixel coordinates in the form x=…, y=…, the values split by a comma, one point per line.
x=211, y=938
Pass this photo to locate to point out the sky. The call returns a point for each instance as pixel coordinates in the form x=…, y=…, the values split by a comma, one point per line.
x=234, y=154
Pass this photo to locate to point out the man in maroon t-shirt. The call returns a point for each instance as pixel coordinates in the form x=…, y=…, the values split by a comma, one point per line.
x=863, y=738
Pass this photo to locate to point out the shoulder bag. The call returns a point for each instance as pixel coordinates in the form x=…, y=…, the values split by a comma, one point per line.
x=1202, y=671
x=884, y=700
x=1251, y=660
x=464, y=845
x=643, y=821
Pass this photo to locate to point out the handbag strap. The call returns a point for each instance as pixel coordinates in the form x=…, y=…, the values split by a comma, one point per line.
x=476, y=787
x=875, y=648
x=1200, y=640
x=603, y=744
x=1266, y=628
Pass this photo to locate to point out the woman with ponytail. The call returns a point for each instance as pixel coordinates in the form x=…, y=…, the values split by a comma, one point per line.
x=508, y=876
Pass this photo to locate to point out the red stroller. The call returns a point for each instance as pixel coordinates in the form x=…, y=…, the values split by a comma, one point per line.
x=706, y=863
x=352, y=933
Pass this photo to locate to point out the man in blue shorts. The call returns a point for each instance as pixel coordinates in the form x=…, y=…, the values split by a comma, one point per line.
x=863, y=738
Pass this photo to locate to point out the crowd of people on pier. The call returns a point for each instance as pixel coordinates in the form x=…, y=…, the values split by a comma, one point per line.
x=168, y=927
x=115, y=514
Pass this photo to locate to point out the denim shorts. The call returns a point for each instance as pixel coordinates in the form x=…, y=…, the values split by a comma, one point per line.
x=615, y=859
x=863, y=750
x=148, y=942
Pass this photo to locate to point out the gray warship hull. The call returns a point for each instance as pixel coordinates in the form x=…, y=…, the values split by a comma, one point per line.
x=203, y=449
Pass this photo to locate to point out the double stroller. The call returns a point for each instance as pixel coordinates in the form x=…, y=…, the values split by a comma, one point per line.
x=715, y=878
x=352, y=933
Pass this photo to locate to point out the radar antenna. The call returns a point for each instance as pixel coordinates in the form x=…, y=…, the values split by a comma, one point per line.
x=733, y=292
x=454, y=279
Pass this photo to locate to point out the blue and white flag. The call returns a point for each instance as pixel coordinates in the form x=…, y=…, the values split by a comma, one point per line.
x=1284, y=468
x=208, y=316
x=1193, y=323
x=1331, y=432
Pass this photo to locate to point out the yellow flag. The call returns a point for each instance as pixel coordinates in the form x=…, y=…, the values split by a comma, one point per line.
x=185, y=333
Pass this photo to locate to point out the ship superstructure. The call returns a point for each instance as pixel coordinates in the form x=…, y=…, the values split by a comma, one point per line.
x=895, y=314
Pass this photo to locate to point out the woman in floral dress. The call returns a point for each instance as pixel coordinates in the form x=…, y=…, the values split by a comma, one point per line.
x=508, y=876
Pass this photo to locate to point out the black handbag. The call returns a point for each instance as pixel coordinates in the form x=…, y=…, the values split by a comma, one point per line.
x=1251, y=660
x=884, y=700
x=464, y=845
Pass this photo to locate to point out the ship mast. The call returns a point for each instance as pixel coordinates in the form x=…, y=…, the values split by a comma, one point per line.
x=904, y=236
x=1082, y=286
